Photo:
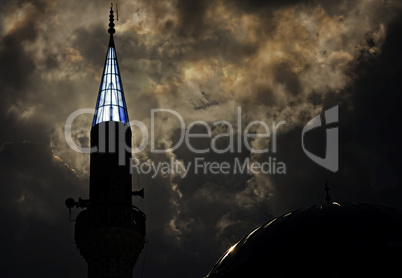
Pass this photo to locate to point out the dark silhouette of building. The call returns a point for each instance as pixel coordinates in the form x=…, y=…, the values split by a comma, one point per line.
x=329, y=240
x=110, y=232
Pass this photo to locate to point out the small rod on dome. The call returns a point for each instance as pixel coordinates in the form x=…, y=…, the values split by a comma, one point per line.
x=117, y=13
x=327, y=198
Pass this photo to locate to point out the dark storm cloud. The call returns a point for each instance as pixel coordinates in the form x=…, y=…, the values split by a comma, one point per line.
x=34, y=186
x=17, y=67
x=191, y=18
x=284, y=75
x=261, y=6
x=370, y=109
x=93, y=49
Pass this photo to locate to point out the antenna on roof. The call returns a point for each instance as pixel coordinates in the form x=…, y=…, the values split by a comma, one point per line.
x=117, y=13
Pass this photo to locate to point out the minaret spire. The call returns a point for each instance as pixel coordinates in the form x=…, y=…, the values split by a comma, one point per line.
x=111, y=104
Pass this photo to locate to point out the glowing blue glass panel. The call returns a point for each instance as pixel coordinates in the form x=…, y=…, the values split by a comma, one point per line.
x=111, y=105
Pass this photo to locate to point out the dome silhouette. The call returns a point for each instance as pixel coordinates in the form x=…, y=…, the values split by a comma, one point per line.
x=331, y=240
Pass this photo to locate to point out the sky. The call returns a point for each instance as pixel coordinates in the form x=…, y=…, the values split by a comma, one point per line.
x=210, y=61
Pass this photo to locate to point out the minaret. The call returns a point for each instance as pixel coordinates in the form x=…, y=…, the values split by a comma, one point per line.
x=110, y=232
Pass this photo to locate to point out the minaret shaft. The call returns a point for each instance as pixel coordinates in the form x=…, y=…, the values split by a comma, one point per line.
x=110, y=177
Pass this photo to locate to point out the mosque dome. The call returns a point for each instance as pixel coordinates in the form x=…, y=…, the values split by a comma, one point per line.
x=331, y=240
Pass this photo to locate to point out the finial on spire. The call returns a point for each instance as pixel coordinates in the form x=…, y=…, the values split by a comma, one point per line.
x=111, y=30
x=327, y=198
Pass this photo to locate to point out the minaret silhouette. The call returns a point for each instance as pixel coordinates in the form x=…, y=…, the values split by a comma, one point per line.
x=110, y=232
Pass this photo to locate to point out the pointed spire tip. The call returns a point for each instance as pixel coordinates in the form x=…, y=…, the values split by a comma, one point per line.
x=111, y=29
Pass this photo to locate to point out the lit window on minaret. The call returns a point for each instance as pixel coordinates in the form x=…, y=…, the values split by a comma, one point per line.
x=111, y=105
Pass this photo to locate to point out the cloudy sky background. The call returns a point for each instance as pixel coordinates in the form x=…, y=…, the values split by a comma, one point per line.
x=277, y=60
